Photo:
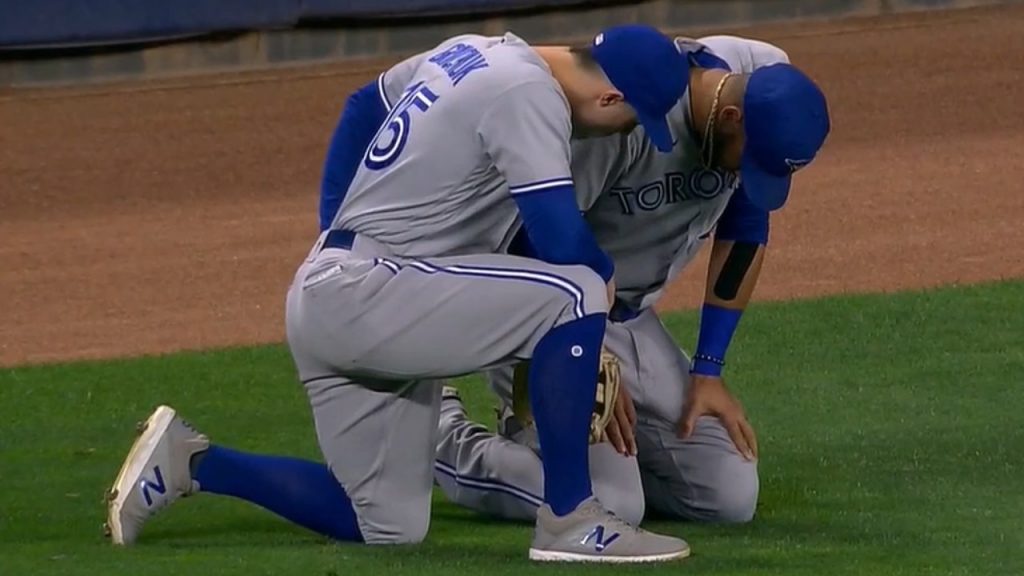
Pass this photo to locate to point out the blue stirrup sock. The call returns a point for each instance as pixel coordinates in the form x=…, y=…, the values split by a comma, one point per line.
x=563, y=383
x=301, y=491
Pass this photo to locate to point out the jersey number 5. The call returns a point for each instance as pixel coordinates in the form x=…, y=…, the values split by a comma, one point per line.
x=391, y=138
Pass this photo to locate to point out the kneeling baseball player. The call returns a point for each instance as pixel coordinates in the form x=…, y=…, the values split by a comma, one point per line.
x=677, y=441
x=411, y=283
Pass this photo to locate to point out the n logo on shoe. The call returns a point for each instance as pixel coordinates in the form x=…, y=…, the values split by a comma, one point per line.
x=597, y=535
x=157, y=486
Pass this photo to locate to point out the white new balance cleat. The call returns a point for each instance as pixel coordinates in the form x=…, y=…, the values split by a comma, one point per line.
x=592, y=534
x=155, y=474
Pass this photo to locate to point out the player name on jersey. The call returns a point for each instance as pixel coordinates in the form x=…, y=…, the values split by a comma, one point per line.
x=458, y=61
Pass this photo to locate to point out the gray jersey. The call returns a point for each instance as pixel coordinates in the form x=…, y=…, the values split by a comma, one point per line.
x=471, y=122
x=650, y=211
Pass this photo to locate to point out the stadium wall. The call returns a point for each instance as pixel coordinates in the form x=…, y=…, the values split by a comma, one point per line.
x=53, y=42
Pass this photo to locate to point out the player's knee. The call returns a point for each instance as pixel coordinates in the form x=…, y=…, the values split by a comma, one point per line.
x=733, y=498
x=720, y=490
x=590, y=293
x=396, y=521
x=595, y=293
x=738, y=506
x=416, y=531
x=412, y=530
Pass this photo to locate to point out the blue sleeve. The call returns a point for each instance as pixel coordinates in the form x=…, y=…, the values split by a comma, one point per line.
x=743, y=221
x=557, y=232
x=365, y=111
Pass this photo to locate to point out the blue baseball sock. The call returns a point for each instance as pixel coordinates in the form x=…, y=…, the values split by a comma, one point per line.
x=563, y=383
x=301, y=491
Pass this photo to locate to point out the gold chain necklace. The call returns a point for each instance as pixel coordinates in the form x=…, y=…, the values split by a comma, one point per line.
x=707, y=146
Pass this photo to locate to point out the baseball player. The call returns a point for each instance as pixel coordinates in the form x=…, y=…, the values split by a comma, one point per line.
x=681, y=443
x=410, y=285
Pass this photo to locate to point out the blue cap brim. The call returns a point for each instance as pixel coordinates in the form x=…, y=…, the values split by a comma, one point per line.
x=766, y=190
x=658, y=131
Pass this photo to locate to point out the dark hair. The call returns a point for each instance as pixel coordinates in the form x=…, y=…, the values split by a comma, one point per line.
x=584, y=56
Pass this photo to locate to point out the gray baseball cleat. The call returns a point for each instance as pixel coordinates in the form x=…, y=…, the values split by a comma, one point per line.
x=592, y=534
x=509, y=427
x=154, y=475
x=450, y=394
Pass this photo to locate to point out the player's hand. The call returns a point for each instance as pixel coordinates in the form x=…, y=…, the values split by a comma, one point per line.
x=611, y=293
x=621, y=429
x=709, y=396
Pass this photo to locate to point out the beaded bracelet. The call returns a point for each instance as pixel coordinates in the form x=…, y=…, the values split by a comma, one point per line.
x=711, y=359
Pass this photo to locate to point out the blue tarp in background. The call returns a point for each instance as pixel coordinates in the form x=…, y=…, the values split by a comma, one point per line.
x=83, y=22
x=70, y=23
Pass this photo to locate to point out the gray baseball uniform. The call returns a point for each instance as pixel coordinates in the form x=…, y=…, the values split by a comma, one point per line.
x=651, y=213
x=409, y=287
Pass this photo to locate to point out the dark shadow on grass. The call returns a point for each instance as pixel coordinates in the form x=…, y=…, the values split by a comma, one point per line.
x=474, y=518
x=264, y=533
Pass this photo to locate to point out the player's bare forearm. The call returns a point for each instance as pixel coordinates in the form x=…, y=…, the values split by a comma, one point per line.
x=733, y=273
x=732, y=276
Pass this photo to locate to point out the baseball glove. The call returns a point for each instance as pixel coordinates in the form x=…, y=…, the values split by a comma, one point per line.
x=608, y=381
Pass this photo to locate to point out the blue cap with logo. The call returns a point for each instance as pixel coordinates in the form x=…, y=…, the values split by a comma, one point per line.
x=786, y=120
x=651, y=73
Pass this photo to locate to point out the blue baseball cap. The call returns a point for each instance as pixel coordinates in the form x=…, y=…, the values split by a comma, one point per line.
x=786, y=122
x=651, y=73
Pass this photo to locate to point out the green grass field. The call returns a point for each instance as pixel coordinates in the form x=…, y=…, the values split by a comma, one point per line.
x=890, y=429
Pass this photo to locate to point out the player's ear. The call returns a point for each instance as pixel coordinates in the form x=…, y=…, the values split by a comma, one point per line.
x=731, y=118
x=611, y=98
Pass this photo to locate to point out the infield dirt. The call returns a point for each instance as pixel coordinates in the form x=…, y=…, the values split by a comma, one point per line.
x=151, y=217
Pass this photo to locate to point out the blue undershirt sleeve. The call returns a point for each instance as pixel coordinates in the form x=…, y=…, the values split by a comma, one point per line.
x=557, y=232
x=364, y=113
x=743, y=221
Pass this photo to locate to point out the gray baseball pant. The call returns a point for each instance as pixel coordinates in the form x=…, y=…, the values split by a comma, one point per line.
x=702, y=478
x=373, y=337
